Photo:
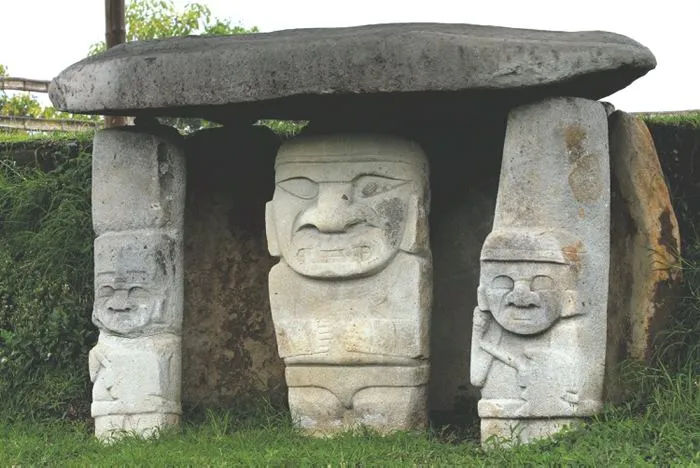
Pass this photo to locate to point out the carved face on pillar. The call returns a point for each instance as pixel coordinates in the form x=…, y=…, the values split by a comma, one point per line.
x=131, y=283
x=345, y=205
x=526, y=278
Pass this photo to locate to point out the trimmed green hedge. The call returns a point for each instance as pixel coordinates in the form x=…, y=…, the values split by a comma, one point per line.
x=45, y=280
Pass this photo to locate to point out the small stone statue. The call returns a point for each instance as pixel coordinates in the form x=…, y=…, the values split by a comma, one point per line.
x=351, y=295
x=538, y=337
x=138, y=199
x=527, y=291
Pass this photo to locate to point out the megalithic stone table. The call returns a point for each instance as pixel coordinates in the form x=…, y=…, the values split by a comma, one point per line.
x=138, y=206
x=539, y=330
x=351, y=296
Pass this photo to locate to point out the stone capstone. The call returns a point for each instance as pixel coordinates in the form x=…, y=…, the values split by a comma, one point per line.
x=309, y=73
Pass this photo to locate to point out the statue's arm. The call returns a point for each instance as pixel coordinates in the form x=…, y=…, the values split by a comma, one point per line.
x=95, y=359
x=385, y=337
x=481, y=360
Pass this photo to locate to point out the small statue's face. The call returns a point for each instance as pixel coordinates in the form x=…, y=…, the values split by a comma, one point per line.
x=524, y=297
x=342, y=219
x=125, y=303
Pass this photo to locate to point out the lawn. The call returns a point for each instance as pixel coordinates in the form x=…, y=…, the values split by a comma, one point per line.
x=660, y=428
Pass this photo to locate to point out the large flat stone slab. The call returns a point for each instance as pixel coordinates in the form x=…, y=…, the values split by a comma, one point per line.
x=311, y=73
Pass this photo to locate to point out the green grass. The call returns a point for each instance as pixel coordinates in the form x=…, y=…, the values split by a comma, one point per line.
x=660, y=429
x=25, y=137
x=682, y=119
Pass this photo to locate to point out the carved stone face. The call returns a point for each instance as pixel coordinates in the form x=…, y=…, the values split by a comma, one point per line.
x=524, y=297
x=127, y=301
x=334, y=218
x=133, y=280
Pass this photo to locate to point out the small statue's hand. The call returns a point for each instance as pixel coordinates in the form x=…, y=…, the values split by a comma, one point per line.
x=481, y=322
x=570, y=396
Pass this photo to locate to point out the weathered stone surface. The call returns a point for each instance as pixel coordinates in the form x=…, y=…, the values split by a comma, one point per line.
x=138, y=206
x=137, y=179
x=136, y=384
x=308, y=73
x=351, y=295
x=138, y=283
x=538, y=338
x=229, y=349
x=645, y=247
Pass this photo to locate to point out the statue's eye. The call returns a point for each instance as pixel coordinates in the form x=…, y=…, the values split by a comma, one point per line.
x=105, y=291
x=300, y=187
x=370, y=185
x=542, y=283
x=502, y=282
x=138, y=293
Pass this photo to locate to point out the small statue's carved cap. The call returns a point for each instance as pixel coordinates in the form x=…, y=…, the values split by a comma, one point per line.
x=532, y=245
x=351, y=148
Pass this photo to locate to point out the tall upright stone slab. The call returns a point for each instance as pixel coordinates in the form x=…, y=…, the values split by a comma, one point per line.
x=539, y=332
x=351, y=295
x=138, y=193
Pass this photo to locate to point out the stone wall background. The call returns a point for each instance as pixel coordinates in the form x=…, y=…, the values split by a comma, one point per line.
x=229, y=348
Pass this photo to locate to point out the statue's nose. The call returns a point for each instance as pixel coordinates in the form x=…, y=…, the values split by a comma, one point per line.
x=120, y=301
x=522, y=296
x=333, y=211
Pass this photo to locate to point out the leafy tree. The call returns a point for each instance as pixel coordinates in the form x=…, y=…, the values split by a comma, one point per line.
x=18, y=104
x=158, y=19
x=148, y=19
x=22, y=104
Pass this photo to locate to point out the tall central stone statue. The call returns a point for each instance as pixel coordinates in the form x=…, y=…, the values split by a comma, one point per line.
x=351, y=295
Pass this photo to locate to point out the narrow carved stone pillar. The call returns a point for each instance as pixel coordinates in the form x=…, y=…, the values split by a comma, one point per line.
x=351, y=295
x=538, y=343
x=138, y=191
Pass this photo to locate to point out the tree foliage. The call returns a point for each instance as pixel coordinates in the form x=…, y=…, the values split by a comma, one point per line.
x=145, y=19
x=158, y=19
x=45, y=282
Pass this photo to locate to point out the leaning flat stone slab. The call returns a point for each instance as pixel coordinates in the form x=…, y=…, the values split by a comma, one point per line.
x=306, y=73
x=645, y=246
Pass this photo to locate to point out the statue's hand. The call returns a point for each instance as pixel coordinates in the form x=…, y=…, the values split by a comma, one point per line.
x=481, y=322
x=570, y=396
x=322, y=336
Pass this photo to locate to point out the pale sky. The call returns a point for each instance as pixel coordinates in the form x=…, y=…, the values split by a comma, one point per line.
x=39, y=38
